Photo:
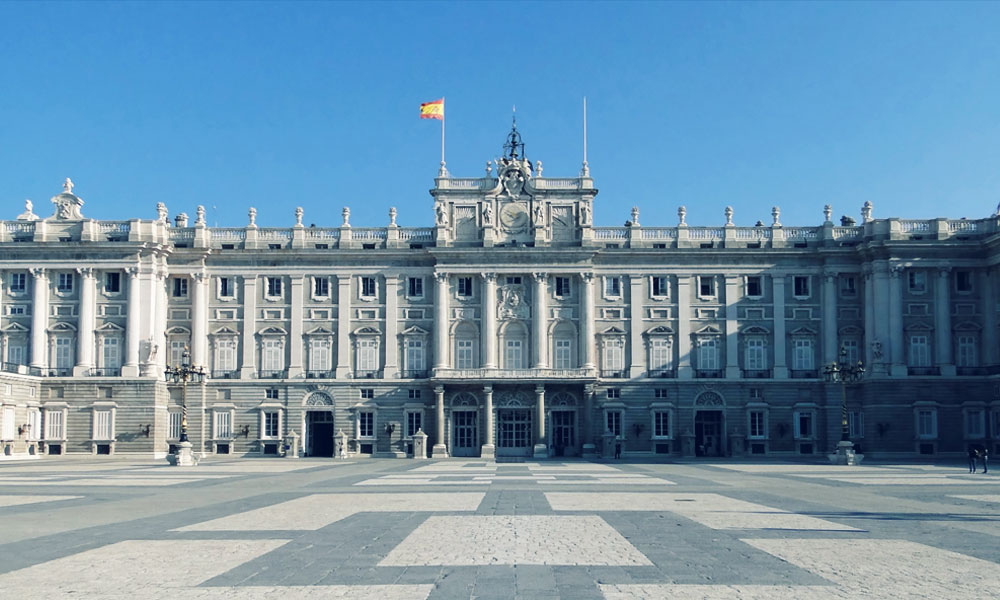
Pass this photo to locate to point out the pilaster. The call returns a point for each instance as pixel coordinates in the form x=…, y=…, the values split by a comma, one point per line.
x=684, y=370
x=637, y=355
x=541, y=441
x=295, y=328
x=86, y=324
x=489, y=309
x=39, y=317
x=780, y=346
x=942, y=323
x=199, y=320
x=440, y=450
x=343, y=326
x=587, y=321
x=391, y=368
x=440, y=320
x=732, y=327
x=540, y=320
x=489, y=448
x=896, y=321
x=830, y=351
x=130, y=368
x=248, y=368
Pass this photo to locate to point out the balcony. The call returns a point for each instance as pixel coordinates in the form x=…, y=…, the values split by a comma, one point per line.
x=612, y=374
x=9, y=367
x=708, y=373
x=367, y=374
x=271, y=374
x=415, y=374
x=59, y=372
x=756, y=373
x=105, y=372
x=661, y=374
x=923, y=371
x=521, y=375
x=320, y=374
x=803, y=374
x=971, y=371
x=225, y=374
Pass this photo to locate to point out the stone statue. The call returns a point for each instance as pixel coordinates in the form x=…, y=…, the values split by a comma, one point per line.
x=392, y=216
x=346, y=213
x=866, y=211
x=635, y=216
x=729, y=215
x=539, y=216
x=776, y=214
x=161, y=212
x=488, y=214
x=298, y=216
x=252, y=213
x=538, y=168
x=877, y=350
x=441, y=214
x=199, y=215
x=68, y=186
x=27, y=215
x=489, y=169
x=584, y=214
x=827, y=212
x=681, y=214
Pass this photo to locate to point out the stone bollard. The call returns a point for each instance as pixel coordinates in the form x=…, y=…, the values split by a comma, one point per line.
x=292, y=445
x=608, y=446
x=341, y=444
x=420, y=444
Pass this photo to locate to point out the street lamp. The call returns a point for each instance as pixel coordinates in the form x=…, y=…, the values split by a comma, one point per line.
x=844, y=372
x=183, y=373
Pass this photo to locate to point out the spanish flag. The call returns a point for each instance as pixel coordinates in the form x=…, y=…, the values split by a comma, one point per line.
x=432, y=110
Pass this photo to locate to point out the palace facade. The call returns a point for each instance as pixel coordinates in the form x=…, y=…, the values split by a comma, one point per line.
x=513, y=327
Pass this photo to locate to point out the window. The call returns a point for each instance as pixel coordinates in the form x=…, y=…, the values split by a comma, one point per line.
x=413, y=394
x=612, y=286
x=660, y=393
x=661, y=424
x=111, y=353
x=855, y=424
x=613, y=393
x=64, y=284
x=514, y=280
x=659, y=286
x=319, y=355
x=18, y=283
x=180, y=287
x=801, y=285
x=226, y=287
x=415, y=287
x=967, y=351
x=16, y=310
x=757, y=424
x=916, y=281
x=708, y=354
x=920, y=354
x=270, y=425
x=321, y=287
x=274, y=287
x=271, y=393
x=975, y=423
x=366, y=424
x=706, y=286
x=413, y=422
x=15, y=353
x=563, y=354
x=225, y=355
x=927, y=423
x=177, y=352
x=614, y=356
x=755, y=358
x=367, y=355
x=174, y=425
x=614, y=422
x=464, y=353
x=368, y=287
x=414, y=356
x=513, y=355
x=465, y=286
x=754, y=287
x=851, y=353
x=563, y=288
x=848, y=286
x=222, y=425
x=102, y=424
x=64, y=353
x=660, y=354
x=802, y=354
x=8, y=423
x=963, y=281
x=273, y=358
x=803, y=424
x=112, y=283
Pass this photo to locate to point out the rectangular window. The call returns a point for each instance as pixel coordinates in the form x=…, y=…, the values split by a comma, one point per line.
x=512, y=355
x=514, y=280
x=660, y=354
x=463, y=358
x=366, y=424
x=757, y=424
x=8, y=423
x=564, y=358
x=222, y=424
x=102, y=424
x=414, y=356
x=319, y=355
x=53, y=424
x=612, y=286
x=15, y=354
x=177, y=352
x=274, y=287
x=967, y=351
x=368, y=287
x=367, y=355
x=613, y=393
x=754, y=287
x=801, y=285
x=660, y=288
x=112, y=353
x=614, y=356
x=112, y=283
x=975, y=423
x=174, y=425
x=755, y=359
x=660, y=393
x=15, y=310
x=706, y=286
x=465, y=287
x=920, y=354
x=225, y=355
x=708, y=354
x=18, y=282
x=270, y=425
x=64, y=283
x=803, y=355
x=415, y=287
x=848, y=286
x=916, y=281
x=963, y=281
x=274, y=356
x=563, y=288
x=413, y=423
x=226, y=287
x=803, y=424
x=661, y=424
x=413, y=394
x=856, y=423
x=851, y=352
x=64, y=353
x=271, y=393
x=321, y=287
x=180, y=287
x=927, y=423
x=614, y=422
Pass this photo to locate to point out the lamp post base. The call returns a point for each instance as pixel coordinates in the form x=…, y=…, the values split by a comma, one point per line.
x=184, y=456
x=845, y=454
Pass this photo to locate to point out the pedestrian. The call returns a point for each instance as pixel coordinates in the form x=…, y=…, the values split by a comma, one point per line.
x=984, y=456
x=618, y=449
x=973, y=456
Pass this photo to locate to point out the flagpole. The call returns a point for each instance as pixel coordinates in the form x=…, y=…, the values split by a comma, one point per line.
x=585, y=172
x=442, y=134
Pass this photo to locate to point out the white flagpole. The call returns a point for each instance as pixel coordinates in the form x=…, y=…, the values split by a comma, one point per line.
x=442, y=133
x=585, y=172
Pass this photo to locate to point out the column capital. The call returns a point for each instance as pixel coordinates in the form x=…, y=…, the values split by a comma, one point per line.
x=39, y=272
x=85, y=272
x=441, y=278
x=200, y=276
x=944, y=272
x=161, y=275
x=540, y=388
x=487, y=389
x=489, y=277
x=133, y=272
x=587, y=277
x=540, y=278
x=439, y=389
x=895, y=270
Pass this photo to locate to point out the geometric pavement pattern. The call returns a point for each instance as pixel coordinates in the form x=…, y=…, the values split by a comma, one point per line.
x=454, y=528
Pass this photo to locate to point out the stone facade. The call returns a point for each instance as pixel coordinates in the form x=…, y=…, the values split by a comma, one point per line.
x=513, y=327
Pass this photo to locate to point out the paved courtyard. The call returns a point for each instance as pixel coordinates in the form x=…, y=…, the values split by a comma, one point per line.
x=284, y=529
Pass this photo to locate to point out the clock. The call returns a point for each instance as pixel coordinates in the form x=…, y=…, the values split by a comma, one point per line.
x=513, y=216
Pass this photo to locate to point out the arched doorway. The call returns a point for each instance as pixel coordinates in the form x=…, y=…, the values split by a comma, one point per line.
x=709, y=425
x=318, y=425
x=514, y=421
x=465, y=425
x=562, y=421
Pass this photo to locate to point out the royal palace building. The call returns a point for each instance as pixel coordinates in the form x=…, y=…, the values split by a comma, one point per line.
x=512, y=328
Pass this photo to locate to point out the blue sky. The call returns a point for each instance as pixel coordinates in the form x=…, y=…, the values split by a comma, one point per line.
x=315, y=104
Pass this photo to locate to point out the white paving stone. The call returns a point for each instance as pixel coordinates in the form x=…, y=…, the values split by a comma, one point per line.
x=994, y=498
x=319, y=510
x=711, y=510
x=721, y=592
x=398, y=482
x=108, y=482
x=785, y=468
x=929, y=480
x=514, y=540
x=888, y=568
x=19, y=500
x=136, y=565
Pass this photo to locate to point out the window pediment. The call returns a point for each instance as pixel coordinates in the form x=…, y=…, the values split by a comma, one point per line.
x=14, y=329
x=967, y=326
x=918, y=326
x=225, y=331
x=804, y=332
x=414, y=331
x=708, y=330
x=321, y=330
x=661, y=330
x=366, y=331
x=62, y=328
x=178, y=331
x=271, y=331
x=755, y=330
x=613, y=331
x=851, y=330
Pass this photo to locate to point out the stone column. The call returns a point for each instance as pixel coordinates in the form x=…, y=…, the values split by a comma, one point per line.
x=86, y=324
x=684, y=370
x=39, y=318
x=637, y=353
x=440, y=320
x=295, y=350
x=732, y=328
x=391, y=368
x=541, y=320
x=989, y=335
x=541, y=448
x=199, y=321
x=159, y=347
x=248, y=369
x=343, y=326
x=830, y=350
x=587, y=321
x=942, y=323
x=489, y=448
x=780, y=360
x=880, y=300
x=866, y=352
x=896, y=321
x=489, y=339
x=589, y=449
x=130, y=368
x=440, y=449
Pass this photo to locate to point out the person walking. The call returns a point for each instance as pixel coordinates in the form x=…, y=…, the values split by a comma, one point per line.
x=973, y=457
x=984, y=455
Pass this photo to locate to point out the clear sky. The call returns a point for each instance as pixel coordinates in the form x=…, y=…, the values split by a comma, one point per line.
x=280, y=105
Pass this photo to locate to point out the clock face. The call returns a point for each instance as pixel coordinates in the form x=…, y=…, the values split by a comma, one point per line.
x=513, y=216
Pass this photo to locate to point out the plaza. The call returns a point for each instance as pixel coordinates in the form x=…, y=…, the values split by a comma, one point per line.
x=474, y=528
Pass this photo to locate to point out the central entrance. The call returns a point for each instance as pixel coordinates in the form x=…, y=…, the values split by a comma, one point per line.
x=465, y=433
x=708, y=433
x=514, y=432
x=319, y=433
x=563, y=438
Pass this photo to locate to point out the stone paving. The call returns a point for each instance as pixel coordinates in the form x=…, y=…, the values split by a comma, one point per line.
x=469, y=528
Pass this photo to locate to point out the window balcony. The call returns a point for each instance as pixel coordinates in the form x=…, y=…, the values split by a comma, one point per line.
x=708, y=373
x=225, y=374
x=272, y=374
x=523, y=375
x=12, y=367
x=803, y=374
x=105, y=372
x=367, y=374
x=661, y=373
x=59, y=372
x=320, y=374
x=414, y=374
x=756, y=373
x=923, y=371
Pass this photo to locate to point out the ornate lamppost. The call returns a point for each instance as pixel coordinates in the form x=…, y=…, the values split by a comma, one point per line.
x=844, y=372
x=182, y=374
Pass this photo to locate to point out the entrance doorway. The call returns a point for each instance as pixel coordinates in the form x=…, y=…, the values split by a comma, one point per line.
x=465, y=433
x=564, y=432
x=709, y=438
x=319, y=433
x=514, y=432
